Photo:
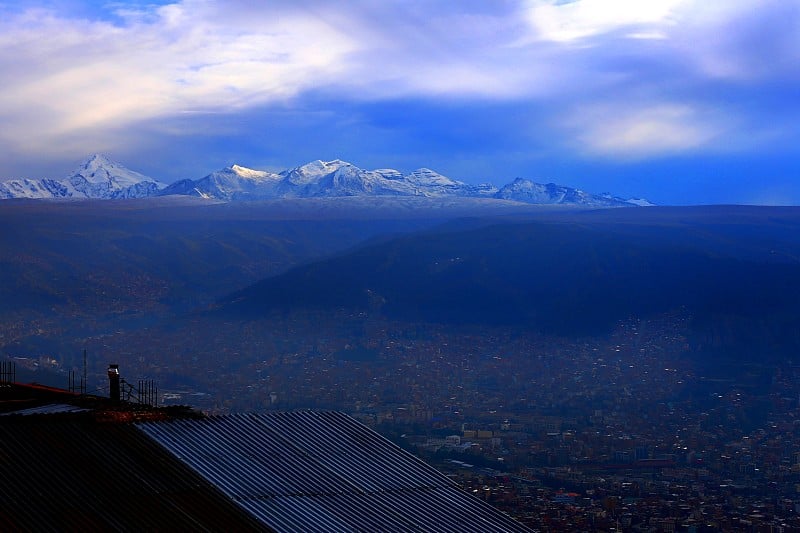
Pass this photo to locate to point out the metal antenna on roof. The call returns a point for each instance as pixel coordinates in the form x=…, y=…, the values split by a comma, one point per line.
x=83, y=380
x=72, y=379
x=8, y=372
x=148, y=392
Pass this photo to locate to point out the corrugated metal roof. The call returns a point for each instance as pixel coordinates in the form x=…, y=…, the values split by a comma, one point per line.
x=69, y=472
x=49, y=409
x=323, y=471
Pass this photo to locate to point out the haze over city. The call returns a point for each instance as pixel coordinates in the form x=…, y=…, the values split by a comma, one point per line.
x=677, y=101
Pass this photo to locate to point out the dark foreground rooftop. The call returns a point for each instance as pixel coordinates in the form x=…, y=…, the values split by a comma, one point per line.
x=71, y=472
x=74, y=463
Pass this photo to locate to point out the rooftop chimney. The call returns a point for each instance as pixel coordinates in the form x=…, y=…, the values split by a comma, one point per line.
x=113, y=382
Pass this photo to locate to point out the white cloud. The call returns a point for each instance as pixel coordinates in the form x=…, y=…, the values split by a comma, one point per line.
x=67, y=78
x=634, y=132
x=72, y=77
x=64, y=76
x=569, y=21
x=742, y=41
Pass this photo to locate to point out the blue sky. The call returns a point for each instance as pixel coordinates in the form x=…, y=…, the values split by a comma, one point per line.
x=678, y=101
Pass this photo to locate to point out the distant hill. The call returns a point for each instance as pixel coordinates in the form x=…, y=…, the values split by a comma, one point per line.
x=146, y=255
x=570, y=273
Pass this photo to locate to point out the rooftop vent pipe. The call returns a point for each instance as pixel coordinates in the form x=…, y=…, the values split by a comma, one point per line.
x=113, y=382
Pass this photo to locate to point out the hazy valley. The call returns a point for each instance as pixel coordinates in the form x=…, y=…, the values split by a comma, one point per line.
x=83, y=269
x=430, y=319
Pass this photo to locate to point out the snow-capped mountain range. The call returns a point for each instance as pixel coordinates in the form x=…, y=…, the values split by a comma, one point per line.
x=99, y=177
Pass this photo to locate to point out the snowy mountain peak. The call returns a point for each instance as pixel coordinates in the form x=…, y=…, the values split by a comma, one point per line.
x=641, y=202
x=249, y=173
x=524, y=190
x=99, y=170
x=97, y=177
x=238, y=169
x=98, y=160
x=319, y=168
x=389, y=173
x=312, y=172
x=428, y=176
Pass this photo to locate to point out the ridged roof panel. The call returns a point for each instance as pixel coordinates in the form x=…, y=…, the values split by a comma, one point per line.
x=322, y=471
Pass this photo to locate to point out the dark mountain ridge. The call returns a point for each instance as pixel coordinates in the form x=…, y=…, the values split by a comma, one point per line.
x=567, y=273
x=116, y=256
